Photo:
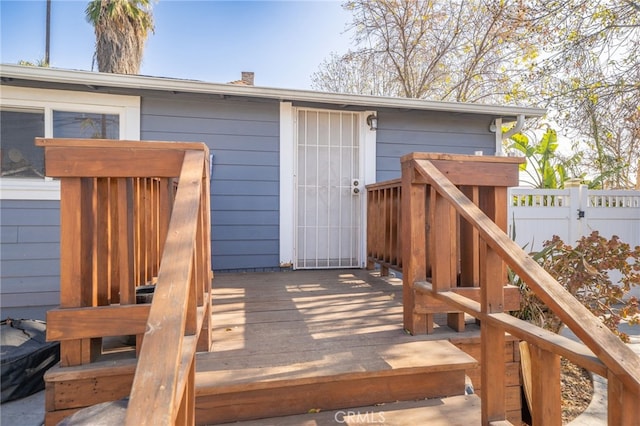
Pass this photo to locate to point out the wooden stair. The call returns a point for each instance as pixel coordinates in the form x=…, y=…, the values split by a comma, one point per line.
x=241, y=388
x=461, y=410
x=258, y=387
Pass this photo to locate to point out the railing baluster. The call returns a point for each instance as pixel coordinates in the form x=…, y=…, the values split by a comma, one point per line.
x=443, y=247
x=442, y=243
x=91, y=348
x=396, y=259
x=103, y=240
x=386, y=256
x=154, y=241
x=469, y=245
x=204, y=341
x=199, y=257
x=149, y=234
x=191, y=323
x=137, y=223
x=371, y=205
x=125, y=228
x=114, y=264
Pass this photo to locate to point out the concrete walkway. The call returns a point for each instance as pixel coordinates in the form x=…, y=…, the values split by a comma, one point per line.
x=596, y=412
x=27, y=411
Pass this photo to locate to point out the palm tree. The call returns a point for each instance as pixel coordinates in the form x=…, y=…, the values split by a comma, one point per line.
x=121, y=28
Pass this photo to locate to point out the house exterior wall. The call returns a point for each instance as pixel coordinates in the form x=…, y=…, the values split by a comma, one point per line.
x=29, y=258
x=403, y=132
x=243, y=137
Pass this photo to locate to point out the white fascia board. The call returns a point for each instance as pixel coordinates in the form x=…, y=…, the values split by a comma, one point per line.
x=90, y=79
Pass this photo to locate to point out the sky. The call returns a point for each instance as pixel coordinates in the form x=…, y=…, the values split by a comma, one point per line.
x=282, y=42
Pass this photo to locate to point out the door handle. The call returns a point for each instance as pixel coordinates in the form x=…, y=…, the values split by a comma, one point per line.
x=355, y=186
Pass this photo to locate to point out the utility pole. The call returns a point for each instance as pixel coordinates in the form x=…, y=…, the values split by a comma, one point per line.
x=47, y=47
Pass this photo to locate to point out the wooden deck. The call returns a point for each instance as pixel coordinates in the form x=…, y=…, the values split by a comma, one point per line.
x=315, y=313
x=319, y=340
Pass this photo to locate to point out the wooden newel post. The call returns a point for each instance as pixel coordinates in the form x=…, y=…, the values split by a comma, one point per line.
x=413, y=222
x=493, y=339
x=623, y=408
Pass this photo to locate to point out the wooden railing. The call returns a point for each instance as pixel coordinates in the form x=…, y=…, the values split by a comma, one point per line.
x=453, y=221
x=384, y=239
x=134, y=214
x=385, y=236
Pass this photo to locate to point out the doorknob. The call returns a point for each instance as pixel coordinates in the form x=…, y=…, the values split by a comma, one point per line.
x=355, y=186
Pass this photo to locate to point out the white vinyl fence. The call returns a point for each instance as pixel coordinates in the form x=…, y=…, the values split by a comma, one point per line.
x=536, y=215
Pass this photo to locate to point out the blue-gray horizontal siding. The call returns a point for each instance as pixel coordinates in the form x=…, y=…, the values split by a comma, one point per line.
x=403, y=132
x=243, y=136
x=29, y=258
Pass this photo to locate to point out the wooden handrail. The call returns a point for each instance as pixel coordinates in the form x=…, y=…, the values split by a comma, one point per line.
x=430, y=183
x=162, y=373
x=607, y=346
x=575, y=352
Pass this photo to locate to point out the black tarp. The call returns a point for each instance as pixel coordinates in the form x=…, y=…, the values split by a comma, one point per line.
x=25, y=355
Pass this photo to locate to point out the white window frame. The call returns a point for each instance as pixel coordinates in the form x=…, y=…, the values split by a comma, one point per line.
x=288, y=115
x=48, y=100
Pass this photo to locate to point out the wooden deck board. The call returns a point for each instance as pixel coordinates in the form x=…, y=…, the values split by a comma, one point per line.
x=318, y=365
x=303, y=312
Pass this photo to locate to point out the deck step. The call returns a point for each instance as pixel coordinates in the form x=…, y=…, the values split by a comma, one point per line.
x=235, y=388
x=451, y=411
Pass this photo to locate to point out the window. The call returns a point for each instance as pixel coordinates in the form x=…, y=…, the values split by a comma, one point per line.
x=85, y=125
x=20, y=157
x=27, y=113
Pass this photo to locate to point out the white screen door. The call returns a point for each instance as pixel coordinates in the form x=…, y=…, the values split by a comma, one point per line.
x=328, y=185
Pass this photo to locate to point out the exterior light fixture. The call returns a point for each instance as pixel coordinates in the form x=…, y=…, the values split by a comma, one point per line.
x=372, y=122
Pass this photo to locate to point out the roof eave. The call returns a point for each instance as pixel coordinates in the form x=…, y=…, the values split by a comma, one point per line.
x=89, y=78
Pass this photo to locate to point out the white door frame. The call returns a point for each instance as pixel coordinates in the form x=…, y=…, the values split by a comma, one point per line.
x=288, y=117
